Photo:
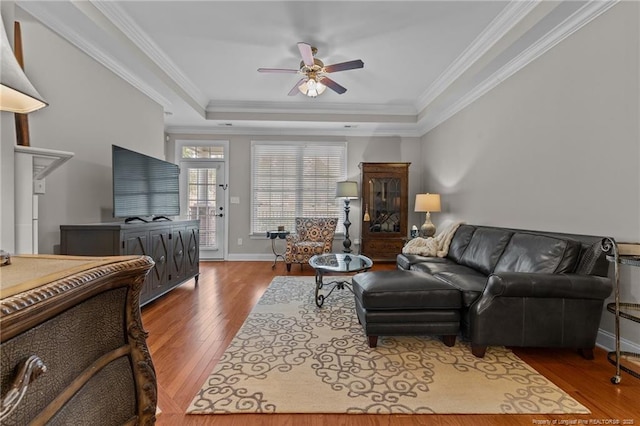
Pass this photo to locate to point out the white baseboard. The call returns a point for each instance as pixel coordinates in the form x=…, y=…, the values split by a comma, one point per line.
x=607, y=340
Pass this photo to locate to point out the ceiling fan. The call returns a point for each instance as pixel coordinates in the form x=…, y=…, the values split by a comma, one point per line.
x=314, y=71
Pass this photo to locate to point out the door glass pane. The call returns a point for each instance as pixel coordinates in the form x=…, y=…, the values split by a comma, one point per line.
x=202, y=204
x=207, y=151
x=384, y=205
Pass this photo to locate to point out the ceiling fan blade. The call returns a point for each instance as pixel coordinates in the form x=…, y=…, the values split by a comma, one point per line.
x=333, y=85
x=306, y=53
x=295, y=89
x=278, y=70
x=343, y=66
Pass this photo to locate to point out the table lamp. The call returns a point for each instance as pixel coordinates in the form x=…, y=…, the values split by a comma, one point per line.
x=427, y=203
x=347, y=190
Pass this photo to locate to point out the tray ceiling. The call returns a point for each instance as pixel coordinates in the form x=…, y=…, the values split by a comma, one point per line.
x=423, y=60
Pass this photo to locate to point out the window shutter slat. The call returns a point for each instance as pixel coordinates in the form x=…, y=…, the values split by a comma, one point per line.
x=291, y=179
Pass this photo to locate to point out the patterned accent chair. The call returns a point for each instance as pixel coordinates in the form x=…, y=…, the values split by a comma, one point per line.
x=313, y=235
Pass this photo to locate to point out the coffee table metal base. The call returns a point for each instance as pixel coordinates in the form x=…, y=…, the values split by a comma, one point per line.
x=340, y=285
x=337, y=263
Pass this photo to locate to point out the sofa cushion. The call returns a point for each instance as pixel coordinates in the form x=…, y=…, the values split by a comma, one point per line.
x=460, y=241
x=457, y=246
x=592, y=260
x=398, y=289
x=485, y=248
x=470, y=284
x=405, y=261
x=538, y=254
x=434, y=268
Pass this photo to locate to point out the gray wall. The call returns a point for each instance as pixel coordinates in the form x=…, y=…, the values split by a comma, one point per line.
x=359, y=149
x=555, y=147
x=89, y=109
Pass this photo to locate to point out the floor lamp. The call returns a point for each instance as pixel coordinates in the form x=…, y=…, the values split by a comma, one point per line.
x=348, y=190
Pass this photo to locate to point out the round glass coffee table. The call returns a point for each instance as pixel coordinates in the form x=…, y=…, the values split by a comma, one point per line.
x=336, y=263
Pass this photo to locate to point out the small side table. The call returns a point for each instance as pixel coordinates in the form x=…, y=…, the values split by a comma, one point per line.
x=630, y=311
x=273, y=236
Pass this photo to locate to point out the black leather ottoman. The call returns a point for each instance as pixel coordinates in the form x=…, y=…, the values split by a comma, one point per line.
x=406, y=303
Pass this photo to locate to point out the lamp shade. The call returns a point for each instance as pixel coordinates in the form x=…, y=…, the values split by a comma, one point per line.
x=427, y=202
x=17, y=94
x=347, y=189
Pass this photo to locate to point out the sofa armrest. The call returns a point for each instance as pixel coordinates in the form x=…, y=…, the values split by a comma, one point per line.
x=559, y=286
x=538, y=310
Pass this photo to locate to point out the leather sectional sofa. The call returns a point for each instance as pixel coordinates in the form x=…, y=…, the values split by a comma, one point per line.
x=496, y=286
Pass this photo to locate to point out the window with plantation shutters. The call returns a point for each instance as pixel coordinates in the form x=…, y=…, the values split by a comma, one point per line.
x=290, y=180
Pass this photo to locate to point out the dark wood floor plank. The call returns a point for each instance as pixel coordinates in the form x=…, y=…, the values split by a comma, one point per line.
x=191, y=326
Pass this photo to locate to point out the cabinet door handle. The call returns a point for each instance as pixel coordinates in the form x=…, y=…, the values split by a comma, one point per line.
x=161, y=260
x=180, y=253
x=30, y=370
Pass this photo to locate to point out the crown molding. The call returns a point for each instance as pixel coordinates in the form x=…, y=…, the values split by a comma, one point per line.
x=118, y=17
x=377, y=119
x=38, y=11
x=573, y=23
x=310, y=108
x=364, y=131
x=508, y=18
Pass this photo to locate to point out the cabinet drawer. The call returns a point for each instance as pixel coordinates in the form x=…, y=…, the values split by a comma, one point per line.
x=382, y=249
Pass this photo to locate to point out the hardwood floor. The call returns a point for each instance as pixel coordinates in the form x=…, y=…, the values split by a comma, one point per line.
x=190, y=327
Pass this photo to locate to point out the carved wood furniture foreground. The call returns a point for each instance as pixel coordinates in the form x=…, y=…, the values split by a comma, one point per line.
x=73, y=349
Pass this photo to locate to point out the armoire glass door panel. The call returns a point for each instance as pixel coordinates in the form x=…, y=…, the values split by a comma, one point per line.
x=384, y=199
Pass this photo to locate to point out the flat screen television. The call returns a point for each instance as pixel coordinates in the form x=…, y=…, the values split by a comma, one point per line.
x=144, y=186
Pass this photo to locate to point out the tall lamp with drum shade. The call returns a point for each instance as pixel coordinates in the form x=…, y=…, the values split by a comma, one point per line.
x=348, y=190
x=427, y=203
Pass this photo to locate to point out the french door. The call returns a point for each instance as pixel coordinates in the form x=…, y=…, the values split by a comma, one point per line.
x=203, y=184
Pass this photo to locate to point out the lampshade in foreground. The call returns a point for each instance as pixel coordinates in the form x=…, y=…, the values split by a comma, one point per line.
x=17, y=94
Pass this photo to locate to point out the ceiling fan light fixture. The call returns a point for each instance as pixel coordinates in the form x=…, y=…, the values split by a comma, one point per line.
x=312, y=88
x=303, y=88
x=320, y=88
x=314, y=80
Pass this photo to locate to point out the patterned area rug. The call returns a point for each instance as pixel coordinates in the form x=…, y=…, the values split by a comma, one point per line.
x=293, y=357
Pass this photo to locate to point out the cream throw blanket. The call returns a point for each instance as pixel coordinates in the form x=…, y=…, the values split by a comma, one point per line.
x=432, y=246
